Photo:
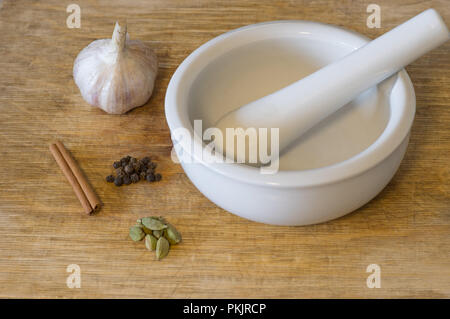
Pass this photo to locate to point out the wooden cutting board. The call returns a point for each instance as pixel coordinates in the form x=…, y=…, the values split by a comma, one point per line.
x=405, y=230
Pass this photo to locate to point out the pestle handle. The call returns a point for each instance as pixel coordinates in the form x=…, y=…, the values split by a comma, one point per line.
x=303, y=104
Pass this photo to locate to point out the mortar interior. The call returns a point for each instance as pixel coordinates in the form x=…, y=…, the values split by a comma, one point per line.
x=251, y=71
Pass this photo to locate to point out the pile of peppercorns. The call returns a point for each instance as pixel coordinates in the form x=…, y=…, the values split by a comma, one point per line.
x=131, y=170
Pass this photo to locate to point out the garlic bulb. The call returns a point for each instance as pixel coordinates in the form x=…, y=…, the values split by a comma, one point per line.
x=116, y=74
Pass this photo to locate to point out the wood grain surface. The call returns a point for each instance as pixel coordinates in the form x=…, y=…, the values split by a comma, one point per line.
x=405, y=230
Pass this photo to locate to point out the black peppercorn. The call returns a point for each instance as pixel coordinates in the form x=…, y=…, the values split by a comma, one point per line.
x=135, y=178
x=127, y=180
x=129, y=169
x=118, y=181
x=133, y=160
x=150, y=177
x=137, y=167
x=125, y=160
x=120, y=172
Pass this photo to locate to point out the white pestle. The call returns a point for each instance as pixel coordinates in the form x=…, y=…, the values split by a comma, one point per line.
x=301, y=105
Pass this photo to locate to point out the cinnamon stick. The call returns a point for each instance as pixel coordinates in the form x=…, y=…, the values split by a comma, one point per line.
x=86, y=195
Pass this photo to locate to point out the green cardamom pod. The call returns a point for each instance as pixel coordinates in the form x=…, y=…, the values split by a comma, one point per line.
x=146, y=230
x=150, y=242
x=158, y=233
x=160, y=218
x=139, y=221
x=162, y=248
x=172, y=234
x=153, y=223
x=136, y=233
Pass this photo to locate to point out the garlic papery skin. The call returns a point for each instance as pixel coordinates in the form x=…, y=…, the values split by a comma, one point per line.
x=116, y=74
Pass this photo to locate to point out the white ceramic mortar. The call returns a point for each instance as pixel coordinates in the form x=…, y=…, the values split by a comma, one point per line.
x=334, y=169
